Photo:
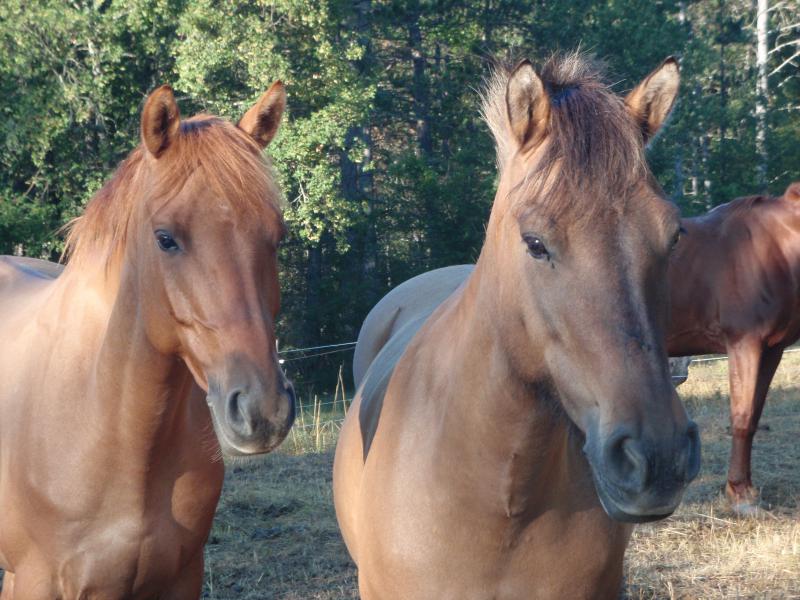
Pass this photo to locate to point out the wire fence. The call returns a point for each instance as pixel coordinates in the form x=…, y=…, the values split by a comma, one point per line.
x=343, y=347
x=717, y=359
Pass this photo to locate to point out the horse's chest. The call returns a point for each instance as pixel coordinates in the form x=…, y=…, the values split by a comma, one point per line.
x=491, y=558
x=129, y=547
x=569, y=567
x=125, y=559
x=112, y=558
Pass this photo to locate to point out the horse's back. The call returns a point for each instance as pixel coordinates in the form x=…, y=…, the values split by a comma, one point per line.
x=737, y=272
x=18, y=273
x=412, y=299
x=32, y=267
x=20, y=279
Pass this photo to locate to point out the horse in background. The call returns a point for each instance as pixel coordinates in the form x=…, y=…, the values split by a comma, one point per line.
x=116, y=373
x=505, y=437
x=735, y=289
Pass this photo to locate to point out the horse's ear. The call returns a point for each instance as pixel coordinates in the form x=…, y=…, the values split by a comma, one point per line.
x=161, y=121
x=527, y=104
x=651, y=101
x=793, y=192
x=262, y=120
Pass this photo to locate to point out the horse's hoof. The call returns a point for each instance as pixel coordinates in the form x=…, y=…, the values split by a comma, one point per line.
x=744, y=501
x=746, y=509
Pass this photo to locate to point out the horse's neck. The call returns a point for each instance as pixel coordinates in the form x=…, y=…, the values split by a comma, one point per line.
x=133, y=390
x=510, y=426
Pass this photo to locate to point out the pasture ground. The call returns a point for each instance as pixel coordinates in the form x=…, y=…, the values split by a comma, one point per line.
x=275, y=535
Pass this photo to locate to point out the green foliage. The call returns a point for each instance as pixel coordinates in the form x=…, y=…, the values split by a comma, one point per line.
x=386, y=167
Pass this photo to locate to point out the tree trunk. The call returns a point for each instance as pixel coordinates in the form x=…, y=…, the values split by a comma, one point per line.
x=311, y=322
x=762, y=91
x=419, y=87
x=677, y=190
x=357, y=180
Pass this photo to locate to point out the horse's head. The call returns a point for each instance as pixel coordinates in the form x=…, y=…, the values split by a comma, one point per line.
x=583, y=235
x=205, y=232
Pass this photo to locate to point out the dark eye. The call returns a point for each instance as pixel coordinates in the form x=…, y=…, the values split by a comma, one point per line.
x=166, y=242
x=676, y=238
x=536, y=247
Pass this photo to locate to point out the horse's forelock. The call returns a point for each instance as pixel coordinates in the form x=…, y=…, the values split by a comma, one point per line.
x=229, y=161
x=591, y=137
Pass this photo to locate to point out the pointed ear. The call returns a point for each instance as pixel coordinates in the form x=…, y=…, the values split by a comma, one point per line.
x=262, y=120
x=527, y=104
x=651, y=101
x=793, y=192
x=161, y=121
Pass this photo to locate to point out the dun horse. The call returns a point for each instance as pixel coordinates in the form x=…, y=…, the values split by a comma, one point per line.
x=115, y=373
x=735, y=288
x=501, y=447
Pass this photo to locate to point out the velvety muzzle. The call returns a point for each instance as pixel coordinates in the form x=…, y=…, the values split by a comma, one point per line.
x=641, y=478
x=252, y=416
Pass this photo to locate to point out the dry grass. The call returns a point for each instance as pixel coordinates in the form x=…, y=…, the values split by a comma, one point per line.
x=705, y=551
x=275, y=535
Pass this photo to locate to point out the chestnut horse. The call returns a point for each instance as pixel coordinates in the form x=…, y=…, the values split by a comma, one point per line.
x=502, y=446
x=735, y=289
x=116, y=373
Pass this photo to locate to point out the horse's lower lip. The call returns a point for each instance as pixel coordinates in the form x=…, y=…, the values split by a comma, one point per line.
x=626, y=517
x=629, y=514
x=230, y=448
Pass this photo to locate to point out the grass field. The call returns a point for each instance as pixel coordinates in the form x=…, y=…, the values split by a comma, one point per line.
x=275, y=536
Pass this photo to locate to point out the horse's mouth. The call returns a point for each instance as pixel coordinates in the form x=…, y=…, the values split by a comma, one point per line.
x=232, y=449
x=627, y=515
x=630, y=511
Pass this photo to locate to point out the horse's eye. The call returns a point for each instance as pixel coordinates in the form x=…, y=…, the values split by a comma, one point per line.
x=166, y=242
x=536, y=247
x=676, y=238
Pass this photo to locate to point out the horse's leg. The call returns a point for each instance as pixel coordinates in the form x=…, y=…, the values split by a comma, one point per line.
x=189, y=583
x=751, y=372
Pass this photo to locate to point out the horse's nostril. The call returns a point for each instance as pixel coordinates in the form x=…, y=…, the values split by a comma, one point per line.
x=627, y=463
x=237, y=413
x=693, y=452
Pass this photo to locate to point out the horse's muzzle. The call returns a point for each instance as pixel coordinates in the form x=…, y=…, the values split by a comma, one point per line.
x=640, y=479
x=251, y=420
